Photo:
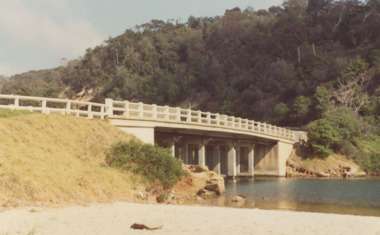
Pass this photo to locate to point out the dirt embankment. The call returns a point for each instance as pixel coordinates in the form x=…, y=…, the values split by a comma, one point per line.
x=334, y=166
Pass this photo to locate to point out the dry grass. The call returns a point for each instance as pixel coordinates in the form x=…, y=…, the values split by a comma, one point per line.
x=57, y=160
x=332, y=163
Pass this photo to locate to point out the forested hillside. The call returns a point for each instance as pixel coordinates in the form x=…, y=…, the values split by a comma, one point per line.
x=288, y=65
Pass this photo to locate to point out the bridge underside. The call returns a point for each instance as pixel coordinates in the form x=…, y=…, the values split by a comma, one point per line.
x=230, y=154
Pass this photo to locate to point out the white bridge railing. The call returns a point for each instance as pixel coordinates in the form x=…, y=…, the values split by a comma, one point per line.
x=53, y=106
x=139, y=111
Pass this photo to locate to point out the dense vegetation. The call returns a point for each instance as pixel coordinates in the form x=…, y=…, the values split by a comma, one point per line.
x=305, y=61
x=150, y=161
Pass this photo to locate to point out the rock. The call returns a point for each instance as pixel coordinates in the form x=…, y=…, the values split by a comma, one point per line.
x=289, y=173
x=323, y=174
x=197, y=168
x=214, y=187
x=360, y=174
x=206, y=193
x=238, y=198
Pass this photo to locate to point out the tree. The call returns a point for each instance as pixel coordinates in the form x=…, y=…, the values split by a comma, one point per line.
x=320, y=101
x=281, y=113
x=322, y=137
x=301, y=109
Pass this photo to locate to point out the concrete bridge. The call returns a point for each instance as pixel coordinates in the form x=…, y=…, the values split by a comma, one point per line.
x=228, y=145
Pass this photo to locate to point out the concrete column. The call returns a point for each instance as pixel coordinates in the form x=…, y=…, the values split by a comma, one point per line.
x=284, y=150
x=238, y=153
x=217, y=159
x=202, y=154
x=185, y=153
x=231, y=161
x=171, y=145
x=251, y=160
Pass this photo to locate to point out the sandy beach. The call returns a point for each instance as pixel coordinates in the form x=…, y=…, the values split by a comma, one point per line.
x=116, y=218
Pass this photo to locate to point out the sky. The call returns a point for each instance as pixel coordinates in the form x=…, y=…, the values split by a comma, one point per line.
x=37, y=34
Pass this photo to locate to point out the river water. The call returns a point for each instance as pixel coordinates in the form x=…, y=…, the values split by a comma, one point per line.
x=341, y=196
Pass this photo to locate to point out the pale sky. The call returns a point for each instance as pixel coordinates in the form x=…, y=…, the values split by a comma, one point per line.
x=37, y=34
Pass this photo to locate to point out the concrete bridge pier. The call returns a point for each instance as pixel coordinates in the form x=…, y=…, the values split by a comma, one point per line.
x=251, y=160
x=217, y=155
x=231, y=159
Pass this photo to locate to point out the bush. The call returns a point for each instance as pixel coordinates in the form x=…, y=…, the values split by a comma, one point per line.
x=322, y=137
x=369, y=162
x=150, y=161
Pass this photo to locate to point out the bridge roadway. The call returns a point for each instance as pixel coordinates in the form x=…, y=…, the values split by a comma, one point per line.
x=228, y=145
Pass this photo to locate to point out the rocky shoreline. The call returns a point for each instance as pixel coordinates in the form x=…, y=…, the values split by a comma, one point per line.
x=343, y=172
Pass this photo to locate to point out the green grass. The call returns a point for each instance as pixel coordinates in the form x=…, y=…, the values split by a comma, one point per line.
x=7, y=113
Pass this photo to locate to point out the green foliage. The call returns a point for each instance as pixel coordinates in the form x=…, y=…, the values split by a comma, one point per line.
x=301, y=109
x=354, y=69
x=150, y=161
x=227, y=107
x=7, y=113
x=162, y=197
x=281, y=112
x=347, y=124
x=320, y=101
x=370, y=162
x=323, y=137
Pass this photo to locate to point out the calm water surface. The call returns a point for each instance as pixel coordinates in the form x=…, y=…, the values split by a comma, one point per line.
x=342, y=196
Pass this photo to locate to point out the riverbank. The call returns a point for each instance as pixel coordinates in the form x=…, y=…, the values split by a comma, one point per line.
x=116, y=218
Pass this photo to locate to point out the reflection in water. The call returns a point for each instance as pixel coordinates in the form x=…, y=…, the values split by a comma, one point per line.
x=357, y=197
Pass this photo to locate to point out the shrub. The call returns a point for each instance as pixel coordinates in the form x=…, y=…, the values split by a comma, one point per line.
x=370, y=162
x=322, y=137
x=150, y=161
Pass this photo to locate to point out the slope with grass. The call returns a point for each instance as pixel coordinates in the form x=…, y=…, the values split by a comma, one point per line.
x=58, y=160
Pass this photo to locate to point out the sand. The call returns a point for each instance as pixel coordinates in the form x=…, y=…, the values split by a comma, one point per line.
x=116, y=218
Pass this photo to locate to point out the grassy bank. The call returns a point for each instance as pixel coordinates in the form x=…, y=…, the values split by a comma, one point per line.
x=48, y=159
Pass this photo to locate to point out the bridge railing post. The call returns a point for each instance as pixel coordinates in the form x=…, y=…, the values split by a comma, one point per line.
x=217, y=118
x=189, y=115
x=178, y=112
x=167, y=113
x=43, y=106
x=102, y=112
x=68, y=107
x=208, y=117
x=126, y=109
x=109, y=107
x=16, y=102
x=89, y=112
x=141, y=110
x=154, y=110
